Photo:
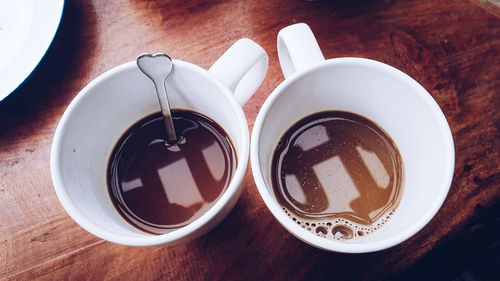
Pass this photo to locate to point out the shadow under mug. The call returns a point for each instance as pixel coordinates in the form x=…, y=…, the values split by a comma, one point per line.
x=377, y=91
x=98, y=116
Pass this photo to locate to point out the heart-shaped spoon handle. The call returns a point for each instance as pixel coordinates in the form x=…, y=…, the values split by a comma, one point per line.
x=157, y=68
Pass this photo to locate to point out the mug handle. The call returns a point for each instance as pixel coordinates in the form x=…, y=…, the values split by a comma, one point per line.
x=297, y=49
x=242, y=68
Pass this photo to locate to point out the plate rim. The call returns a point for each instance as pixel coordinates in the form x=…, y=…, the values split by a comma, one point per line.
x=40, y=50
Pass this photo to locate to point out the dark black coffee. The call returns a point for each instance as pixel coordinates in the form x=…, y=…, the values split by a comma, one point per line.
x=337, y=174
x=159, y=188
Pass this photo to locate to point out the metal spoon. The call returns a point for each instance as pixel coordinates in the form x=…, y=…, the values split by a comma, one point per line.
x=157, y=68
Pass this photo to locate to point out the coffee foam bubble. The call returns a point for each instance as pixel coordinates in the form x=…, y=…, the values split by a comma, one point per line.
x=339, y=228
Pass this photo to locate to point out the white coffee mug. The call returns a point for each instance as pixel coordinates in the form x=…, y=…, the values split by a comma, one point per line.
x=377, y=91
x=97, y=117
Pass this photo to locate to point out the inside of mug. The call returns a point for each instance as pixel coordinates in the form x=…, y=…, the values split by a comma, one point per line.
x=111, y=106
x=392, y=100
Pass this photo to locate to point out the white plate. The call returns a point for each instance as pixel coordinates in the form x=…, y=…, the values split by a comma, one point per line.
x=27, y=28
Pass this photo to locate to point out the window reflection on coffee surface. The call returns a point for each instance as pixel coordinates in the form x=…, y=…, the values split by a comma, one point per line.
x=158, y=188
x=337, y=168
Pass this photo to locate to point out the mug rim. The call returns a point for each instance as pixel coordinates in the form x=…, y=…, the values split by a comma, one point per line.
x=192, y=229
x=329, y=244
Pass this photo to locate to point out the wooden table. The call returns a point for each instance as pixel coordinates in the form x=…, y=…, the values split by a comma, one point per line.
x=451, y=47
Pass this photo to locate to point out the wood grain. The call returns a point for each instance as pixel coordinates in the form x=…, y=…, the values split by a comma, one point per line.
x=451, y=47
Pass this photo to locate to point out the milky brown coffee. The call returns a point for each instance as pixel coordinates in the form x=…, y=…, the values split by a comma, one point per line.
x=337, y=174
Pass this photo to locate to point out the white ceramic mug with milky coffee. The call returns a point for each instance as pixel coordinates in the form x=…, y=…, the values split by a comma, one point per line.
x=377, y=91
x=97, y=117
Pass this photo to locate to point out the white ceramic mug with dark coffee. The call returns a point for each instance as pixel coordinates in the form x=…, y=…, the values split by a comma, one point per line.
x=97, y=117
x=379, y=92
